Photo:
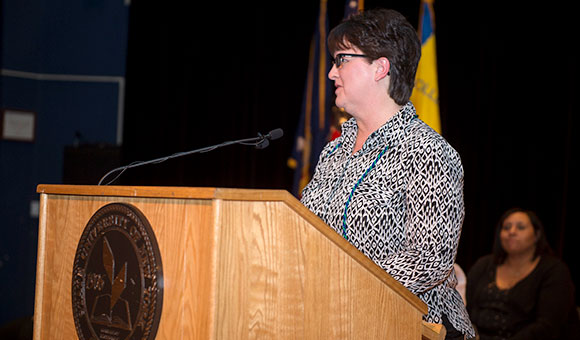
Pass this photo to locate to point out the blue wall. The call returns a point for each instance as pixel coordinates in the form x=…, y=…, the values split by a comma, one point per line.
x=47, y=39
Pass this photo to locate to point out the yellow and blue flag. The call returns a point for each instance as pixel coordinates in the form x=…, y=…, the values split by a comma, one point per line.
x=425, y=95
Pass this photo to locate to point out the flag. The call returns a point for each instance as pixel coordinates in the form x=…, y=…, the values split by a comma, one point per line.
x=318, y=124
x=313, y=128
x=425, y=95
x=339, y=115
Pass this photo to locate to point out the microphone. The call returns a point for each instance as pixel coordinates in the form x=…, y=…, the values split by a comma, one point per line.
x=260, y=142
x=272, y=135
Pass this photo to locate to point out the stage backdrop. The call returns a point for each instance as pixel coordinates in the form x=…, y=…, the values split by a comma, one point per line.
x=199, y=73
x=507, y=81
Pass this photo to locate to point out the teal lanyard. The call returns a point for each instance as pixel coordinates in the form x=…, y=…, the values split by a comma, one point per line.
x=354, y=189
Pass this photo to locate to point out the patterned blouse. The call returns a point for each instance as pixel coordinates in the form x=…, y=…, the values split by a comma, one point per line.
x=399, y=200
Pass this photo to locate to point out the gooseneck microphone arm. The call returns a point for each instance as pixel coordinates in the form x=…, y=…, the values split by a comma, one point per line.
x=260, y=142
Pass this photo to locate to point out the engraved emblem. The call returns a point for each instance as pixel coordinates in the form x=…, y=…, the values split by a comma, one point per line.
x=117, y=284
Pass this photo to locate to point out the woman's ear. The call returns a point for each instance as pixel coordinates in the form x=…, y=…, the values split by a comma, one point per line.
x=383, y=68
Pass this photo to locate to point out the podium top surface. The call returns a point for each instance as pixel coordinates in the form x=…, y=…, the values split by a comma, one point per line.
x=166, y=192
x=211, y=193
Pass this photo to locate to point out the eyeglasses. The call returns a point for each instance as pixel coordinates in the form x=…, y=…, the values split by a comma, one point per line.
x=341, y=58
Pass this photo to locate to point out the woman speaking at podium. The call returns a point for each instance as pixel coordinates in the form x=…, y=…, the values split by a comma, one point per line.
x=391, y=185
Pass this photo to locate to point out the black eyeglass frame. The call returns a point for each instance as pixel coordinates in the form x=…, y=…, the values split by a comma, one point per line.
x=339, y=59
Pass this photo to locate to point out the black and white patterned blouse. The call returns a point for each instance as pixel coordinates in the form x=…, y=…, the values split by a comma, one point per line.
x=399, y=200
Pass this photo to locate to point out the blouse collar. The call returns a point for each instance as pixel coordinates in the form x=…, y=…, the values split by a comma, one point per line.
x=391, y=133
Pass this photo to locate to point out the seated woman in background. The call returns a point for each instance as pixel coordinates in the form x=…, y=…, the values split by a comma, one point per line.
x=521, y=291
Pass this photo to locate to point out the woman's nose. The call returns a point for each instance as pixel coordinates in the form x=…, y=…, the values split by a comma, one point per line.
x=333, y=73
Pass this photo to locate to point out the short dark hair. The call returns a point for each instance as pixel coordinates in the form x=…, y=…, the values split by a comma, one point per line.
x=542, y=245
x=383, y=33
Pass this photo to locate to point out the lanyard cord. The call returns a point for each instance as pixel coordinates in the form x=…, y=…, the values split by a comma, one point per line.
x=346, y=206
x=354, y=189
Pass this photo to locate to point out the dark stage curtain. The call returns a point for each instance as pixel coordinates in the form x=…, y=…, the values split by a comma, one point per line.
x=508, y=77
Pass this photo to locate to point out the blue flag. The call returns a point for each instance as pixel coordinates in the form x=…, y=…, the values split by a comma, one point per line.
x=314, y=125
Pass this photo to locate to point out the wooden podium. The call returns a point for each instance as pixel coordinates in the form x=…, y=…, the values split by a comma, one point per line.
x=237, y=264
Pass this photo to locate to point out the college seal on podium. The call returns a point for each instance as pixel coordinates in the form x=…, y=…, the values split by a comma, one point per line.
x=117, y=282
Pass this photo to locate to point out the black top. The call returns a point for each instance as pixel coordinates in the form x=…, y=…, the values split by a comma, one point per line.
x=540, y=306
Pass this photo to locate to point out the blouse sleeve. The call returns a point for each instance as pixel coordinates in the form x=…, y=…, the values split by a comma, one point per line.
x=435, y=211
x=552, y=305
